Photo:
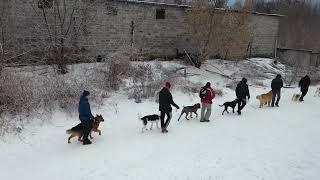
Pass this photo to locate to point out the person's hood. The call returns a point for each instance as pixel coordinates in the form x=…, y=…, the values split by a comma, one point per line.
x=244, y=80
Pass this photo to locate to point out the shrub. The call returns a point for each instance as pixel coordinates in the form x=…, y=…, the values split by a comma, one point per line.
x=219, y=92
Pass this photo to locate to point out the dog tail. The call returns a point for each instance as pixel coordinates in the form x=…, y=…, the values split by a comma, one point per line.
x=69, y=131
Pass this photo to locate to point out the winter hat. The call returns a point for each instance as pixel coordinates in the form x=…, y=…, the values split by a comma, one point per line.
x=85, y=93
x=208, y=84
x=244, y=80
x=278, y=76
x=168, y=85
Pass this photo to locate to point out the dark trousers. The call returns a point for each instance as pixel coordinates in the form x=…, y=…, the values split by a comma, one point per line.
x=87, y=126
x=241, y=103
x=304, y=92
x=276, y=93
x=164, y=124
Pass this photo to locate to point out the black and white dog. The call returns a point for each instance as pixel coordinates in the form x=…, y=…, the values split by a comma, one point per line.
x=152, y=118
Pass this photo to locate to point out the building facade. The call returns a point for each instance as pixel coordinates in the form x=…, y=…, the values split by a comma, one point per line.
x=159, y=29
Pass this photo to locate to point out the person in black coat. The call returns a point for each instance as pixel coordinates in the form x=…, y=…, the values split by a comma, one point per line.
x=276, y=86
x=304, y=84
x=165, y=102
x=242, y=92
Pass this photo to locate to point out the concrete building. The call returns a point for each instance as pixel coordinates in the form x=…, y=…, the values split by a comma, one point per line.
x=159, y=29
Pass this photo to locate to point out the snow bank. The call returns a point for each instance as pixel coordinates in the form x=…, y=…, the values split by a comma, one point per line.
x=268, y=143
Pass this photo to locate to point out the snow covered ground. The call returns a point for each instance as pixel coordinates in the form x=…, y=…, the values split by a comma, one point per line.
x=269, y=143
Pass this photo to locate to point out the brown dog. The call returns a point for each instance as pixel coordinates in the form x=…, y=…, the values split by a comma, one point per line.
x=265, y=99
x=296, y=97
x=317, y=93
x=190, y=109
x=78, y=130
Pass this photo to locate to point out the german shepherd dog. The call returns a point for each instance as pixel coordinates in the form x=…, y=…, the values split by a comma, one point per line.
x=78, y=129
x=231, y=104
x=190, y=109
x=152, y=118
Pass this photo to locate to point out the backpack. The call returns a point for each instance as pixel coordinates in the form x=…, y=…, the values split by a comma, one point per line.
x=203, y=93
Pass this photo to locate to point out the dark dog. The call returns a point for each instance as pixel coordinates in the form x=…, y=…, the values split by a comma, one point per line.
x=152, y=118
x=78, y=129
x=190, y=109
x=231, y=104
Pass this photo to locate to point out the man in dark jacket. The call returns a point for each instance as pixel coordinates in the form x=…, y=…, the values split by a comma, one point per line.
x=304, y=84
x=276, y=86
x=242, y=92
x=85, y=116
x=165, y=102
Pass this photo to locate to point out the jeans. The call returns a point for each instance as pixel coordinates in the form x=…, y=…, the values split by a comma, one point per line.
x=241, y=103
x=87, y=126
x=205, y=111
x=304, y=92
x=276, y=93
x=165, y=124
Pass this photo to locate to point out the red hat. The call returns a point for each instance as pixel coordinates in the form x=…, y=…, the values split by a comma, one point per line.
x=168, y=84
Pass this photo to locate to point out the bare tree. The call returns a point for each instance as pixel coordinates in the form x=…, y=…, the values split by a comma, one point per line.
x=64, y=24
x=299, y=28
x=216, y=30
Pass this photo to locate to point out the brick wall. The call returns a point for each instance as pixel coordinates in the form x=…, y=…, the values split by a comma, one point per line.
x=117, y=24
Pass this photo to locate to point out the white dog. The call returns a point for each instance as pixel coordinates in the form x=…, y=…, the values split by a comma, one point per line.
x=150, y=118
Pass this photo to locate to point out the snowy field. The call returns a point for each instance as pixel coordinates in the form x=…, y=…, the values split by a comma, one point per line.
x=262, y=144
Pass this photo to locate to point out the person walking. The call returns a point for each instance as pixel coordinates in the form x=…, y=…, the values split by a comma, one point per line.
x=85, y=116
x=242, y=93
x=165, y=102
x=276, y=86
x=304, y=84
x=206, y=94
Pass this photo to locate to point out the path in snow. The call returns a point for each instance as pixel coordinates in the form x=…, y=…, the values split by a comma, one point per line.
x=269, y=143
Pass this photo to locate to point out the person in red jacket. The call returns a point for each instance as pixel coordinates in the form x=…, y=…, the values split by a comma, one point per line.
x=207, y=94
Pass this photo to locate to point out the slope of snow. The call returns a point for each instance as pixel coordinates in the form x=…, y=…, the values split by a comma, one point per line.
x=268, y=143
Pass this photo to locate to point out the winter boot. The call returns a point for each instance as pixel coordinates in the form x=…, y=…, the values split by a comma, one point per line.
x=86, y=142
x=204, y=120
x=164, y=131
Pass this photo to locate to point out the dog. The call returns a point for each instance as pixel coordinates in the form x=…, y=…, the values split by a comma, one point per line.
x=152, y=118
x=317, y=93
x=265, y=99
x=296, y=97
x=231, y=104
x=190, y=109
x=78, y=129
